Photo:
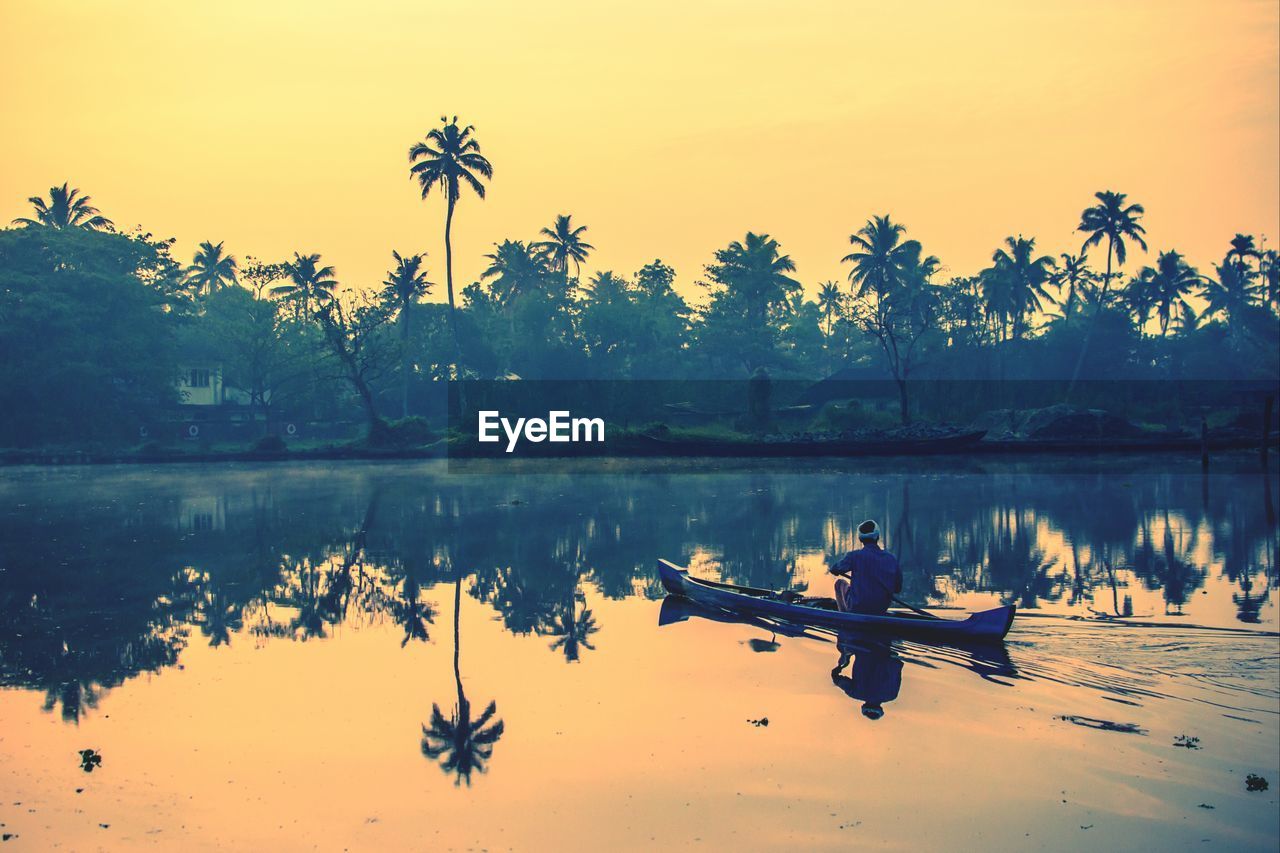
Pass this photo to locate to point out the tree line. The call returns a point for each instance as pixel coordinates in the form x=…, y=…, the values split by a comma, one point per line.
x=93, y=321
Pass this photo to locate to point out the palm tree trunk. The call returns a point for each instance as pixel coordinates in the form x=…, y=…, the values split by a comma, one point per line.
x=1093, y=322
x=448, y=275
x=404, y=359
x=453, y=308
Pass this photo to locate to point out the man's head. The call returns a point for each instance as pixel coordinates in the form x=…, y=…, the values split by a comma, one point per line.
x=868, y=531
x=872, y=710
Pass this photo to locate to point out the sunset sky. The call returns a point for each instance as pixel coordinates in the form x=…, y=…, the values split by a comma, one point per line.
x=668, y=128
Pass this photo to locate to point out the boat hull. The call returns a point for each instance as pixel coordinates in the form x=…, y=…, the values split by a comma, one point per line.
x=987, y=625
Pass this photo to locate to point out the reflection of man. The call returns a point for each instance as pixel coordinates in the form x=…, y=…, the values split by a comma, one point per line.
x=875, y=678
x=874, y=574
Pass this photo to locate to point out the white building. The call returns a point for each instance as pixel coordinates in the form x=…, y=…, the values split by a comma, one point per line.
x=200, y=384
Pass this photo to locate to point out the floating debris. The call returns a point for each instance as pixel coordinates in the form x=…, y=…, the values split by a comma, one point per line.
x=1205, y=806
x=764, y=721
x=1187, y=742
x=1254, y=782
x=1103, y=725
x=89, y=759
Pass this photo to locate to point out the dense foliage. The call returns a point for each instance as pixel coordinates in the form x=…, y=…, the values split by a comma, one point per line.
x=93, y=323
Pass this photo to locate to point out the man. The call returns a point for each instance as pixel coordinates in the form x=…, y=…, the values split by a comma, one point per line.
x=874, y=575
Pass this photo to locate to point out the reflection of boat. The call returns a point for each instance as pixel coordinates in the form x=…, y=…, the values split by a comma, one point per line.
x=986, y=625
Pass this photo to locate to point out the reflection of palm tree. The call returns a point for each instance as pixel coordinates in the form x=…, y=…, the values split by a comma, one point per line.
x=412, y=612
x=572, y=629
x=462, y=744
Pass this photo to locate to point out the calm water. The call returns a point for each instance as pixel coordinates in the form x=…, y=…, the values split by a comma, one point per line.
x=353, y=655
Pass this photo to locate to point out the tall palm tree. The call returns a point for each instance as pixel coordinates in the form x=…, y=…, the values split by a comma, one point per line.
x=307, y=283
x=1166, y=286
x=405, y=284
x=66, y=208
x=1113, y=220
x=564, y=246
x=448, y=158
x=1014, y=285
x=211, y=269
x=1073, y=276
x=465, y=744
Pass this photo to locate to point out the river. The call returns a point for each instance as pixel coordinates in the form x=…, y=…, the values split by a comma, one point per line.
x=478, y=655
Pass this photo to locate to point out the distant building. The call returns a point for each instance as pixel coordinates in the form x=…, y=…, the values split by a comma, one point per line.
x=200, y=384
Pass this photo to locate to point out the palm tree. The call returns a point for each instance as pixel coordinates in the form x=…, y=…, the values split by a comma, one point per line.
x=755, y=271
x=516, y=269
x=830, y=302
x=448, y=158
x=211, y=269
x=880, y=255
x=1269, y=269
x=1074, y=276
x=307, y=282
x=1231, y=295
x=66, y=208
x=1166, y=286
x=405, y=284
x=1114, y=221
x=1014, y=285
x=464, y=744
x=564, y=245
x=1242, y=251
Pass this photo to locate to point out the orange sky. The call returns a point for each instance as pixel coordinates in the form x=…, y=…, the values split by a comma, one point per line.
x=669, y=128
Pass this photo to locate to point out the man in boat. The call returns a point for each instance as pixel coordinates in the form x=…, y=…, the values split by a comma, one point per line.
x=873, y=575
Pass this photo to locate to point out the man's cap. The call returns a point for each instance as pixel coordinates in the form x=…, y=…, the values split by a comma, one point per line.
x=868, y=530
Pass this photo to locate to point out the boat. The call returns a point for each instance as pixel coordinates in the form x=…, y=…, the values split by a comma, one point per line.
x=986, y=625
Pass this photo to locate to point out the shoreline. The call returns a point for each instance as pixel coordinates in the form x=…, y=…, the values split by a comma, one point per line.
x=997, y=448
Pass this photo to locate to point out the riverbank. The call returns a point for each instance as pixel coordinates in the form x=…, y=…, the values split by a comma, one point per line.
x=680, y=444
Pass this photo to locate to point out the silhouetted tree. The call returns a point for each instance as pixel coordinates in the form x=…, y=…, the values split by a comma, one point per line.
x=405, y=284
x=66, y=208
x=449, y=158
x=211, y=269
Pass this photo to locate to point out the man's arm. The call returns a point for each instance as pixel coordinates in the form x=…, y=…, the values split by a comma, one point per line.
x=842, y=566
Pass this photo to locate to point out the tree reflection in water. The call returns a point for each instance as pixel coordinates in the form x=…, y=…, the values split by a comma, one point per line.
x=99, y=583
x=462, y=745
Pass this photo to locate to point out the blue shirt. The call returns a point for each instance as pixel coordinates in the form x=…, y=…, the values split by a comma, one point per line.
x=874, y=577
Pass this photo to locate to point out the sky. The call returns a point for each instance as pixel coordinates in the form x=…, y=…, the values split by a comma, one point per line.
x=668, y=128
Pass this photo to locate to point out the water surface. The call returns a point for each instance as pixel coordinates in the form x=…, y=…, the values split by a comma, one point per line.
x=421, y=655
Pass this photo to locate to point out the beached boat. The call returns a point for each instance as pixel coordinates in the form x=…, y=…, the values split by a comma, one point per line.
x=985, y=625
